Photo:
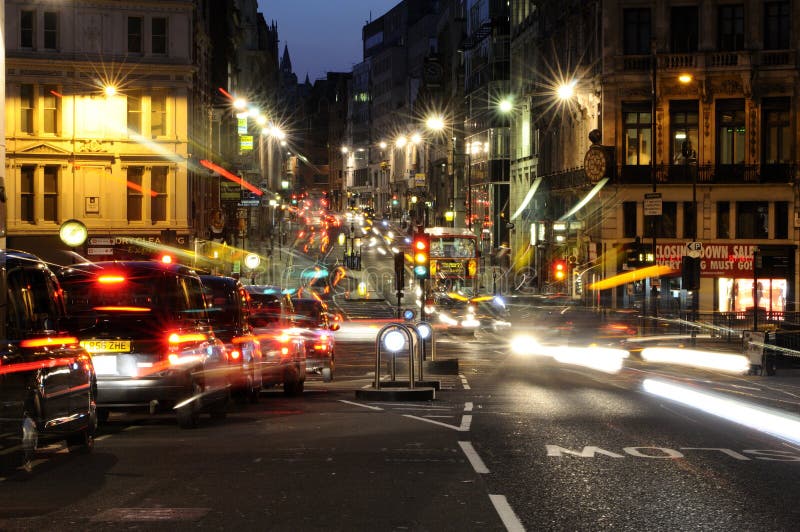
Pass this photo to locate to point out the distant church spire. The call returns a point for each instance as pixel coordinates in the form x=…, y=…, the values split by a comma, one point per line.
x=308, y=81
x=286, y=62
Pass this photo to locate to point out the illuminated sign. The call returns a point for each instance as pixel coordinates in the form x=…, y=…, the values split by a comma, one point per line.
x=245, y=143
x=242, y=125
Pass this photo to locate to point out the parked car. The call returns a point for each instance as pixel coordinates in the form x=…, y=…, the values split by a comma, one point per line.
x=47, y=380
x=283, y=350
x=228, y=306
x=314, y=324
x=146, y=327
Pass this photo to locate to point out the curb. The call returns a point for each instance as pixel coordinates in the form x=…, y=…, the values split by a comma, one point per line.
x=396, y=394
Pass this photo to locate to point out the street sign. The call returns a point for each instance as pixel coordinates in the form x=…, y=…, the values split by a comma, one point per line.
x=652, y=204
x=694, y=249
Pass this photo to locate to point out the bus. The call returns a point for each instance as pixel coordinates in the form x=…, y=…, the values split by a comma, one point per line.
x=454, y=259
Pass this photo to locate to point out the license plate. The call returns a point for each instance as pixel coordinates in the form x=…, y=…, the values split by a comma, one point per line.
x=104, y=365
x=107, y=346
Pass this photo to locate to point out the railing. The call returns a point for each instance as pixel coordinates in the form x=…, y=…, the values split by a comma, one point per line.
x=707, y=174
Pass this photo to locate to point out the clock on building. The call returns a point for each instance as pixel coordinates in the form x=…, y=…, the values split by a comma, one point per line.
x=73, y=233
x=596, y=163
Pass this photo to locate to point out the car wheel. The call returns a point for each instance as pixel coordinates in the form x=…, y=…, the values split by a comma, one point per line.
x=102, y=415
x=189, y=414
x=293, y=383
x=81, y=442
x=327, y=374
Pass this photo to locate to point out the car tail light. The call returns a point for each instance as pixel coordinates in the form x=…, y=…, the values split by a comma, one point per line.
x=176, y=339
x=235, y=354
x=110, y=279
x=45, y=342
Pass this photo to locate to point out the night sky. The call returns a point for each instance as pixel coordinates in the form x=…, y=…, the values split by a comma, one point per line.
x=323, y=35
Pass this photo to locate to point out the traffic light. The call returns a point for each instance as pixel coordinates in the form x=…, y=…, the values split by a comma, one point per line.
x=399, y=271
x=420, y=249
x=559, y=270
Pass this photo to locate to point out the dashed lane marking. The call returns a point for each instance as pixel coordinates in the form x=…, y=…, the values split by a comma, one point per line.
x=473, y=457
x=507, y=515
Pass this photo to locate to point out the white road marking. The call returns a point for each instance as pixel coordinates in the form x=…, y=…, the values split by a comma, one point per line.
x=465, y=422
x=468, y=407
x=464, y=382
x=507, y=515
x=472, y=456
x=103, y=437
x=360, y=404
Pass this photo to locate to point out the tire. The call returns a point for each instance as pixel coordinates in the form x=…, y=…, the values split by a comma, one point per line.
x=81, y=442
x=327, y=374
x=293, y=382
x=102, y=415
x=188, y=415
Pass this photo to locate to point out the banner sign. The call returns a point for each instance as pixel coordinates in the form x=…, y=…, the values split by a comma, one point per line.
x=716, y=260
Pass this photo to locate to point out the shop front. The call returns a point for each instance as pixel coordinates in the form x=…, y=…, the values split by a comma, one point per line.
x=728, y=275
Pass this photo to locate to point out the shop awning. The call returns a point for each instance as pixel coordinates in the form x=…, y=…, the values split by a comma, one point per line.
x=528, y=197
x=592, y=193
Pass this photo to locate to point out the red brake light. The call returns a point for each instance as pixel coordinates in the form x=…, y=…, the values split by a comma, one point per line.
x=43, y=342
x=235, y=354
x=110, y=279
x=176, y=338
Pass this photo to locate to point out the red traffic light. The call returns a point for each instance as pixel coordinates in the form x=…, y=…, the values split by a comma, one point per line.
x=559, y=270
x=420, y=249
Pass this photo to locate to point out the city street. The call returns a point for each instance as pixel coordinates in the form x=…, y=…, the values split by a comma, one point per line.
x=509, y=442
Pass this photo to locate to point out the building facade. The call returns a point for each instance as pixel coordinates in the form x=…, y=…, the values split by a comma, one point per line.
x=96, y=121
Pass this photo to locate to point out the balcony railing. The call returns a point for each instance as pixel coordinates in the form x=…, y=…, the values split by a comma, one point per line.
x=699, y=61
x=707, y=174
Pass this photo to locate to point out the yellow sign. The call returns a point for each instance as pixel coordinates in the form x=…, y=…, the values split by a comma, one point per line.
x=245, y=143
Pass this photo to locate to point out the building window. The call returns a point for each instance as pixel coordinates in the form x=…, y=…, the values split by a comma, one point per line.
x=629, y=219
x=781, y=219
x=636, y=30
x=159, y=35
x=158, y=185
x=723, y=219
x=26, y=102
x=777, y=25
x=51, y=31
x=50, y=110
x=135, y=174
x=636, y=120
x=135, y=35
x=26, y=32
x=777, y=131
x=683, y=29
x=731, y=27
x=134, y=113
x=666, y=225
x=730, y=132
x=158, y=115
x=27, y=175
x=50, y=193
x=683, y=125
x=752, y=220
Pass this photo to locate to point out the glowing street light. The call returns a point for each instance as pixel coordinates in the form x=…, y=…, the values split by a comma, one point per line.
x=566, y=91
x=416, y=138
x=382, y=145
x=344, y=149
x=110, y=90
x=401, y=141
x=435, y=123
x=506, y=105
x=685, y=78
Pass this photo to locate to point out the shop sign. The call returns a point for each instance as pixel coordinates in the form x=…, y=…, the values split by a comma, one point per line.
x=716, y=260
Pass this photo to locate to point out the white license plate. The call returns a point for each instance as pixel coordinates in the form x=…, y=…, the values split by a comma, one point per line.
x=105, y=365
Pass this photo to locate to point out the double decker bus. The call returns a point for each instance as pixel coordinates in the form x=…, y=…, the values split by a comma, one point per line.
x=454, y=259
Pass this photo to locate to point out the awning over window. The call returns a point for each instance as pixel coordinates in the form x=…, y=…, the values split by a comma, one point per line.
x=592, y=193
x=528, y=197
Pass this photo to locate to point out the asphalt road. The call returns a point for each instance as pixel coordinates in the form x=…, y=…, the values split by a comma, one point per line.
x=509, y=443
